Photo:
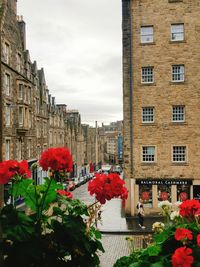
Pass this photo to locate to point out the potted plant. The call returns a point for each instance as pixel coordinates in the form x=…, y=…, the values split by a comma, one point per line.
x=175, y=243
x=55, y=229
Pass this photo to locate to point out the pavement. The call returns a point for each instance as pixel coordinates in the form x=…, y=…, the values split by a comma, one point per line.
x=115, y=227
x=113, y=216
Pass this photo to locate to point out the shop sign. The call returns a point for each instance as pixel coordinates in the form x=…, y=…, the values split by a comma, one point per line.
x=163, y=182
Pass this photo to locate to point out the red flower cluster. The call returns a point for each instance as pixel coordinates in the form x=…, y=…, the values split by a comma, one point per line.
x=182, y=233
x=56, y=159
x=65, y=193
x=105, y=187
x=189, y=208
x=11, y=168
x=182, y=257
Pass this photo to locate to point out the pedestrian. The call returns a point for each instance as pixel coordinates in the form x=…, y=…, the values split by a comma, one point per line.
x=140, y=214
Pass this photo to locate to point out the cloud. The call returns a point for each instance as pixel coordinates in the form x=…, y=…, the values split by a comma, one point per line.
x=79, y=45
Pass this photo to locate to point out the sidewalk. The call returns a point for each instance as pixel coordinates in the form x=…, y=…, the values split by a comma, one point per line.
x=114, y=221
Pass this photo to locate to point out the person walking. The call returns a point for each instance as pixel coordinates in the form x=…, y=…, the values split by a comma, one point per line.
x=140, y=214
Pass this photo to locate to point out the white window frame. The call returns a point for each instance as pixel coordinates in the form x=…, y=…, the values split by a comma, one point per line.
x=178, y=113
x=8, y=115
x=178, y=73
x=146, y=34
x=7, y=84
x=147, y=75
x=147, y=156
x=176, y=33
x=180, y=155
x=147, y=114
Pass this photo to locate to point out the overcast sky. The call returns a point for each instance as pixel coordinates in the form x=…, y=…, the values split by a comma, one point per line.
x=78, y=42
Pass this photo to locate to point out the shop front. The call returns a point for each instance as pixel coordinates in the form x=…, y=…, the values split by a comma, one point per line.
x=153, y=191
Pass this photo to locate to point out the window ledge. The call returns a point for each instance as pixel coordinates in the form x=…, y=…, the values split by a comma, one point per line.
x=179, y=164
x=175, y=1
x=150, y=43
x=177, y=42
x=176, y=82
x=148, y=84
x=178, y=123
x=148, y=124
x=149, y=163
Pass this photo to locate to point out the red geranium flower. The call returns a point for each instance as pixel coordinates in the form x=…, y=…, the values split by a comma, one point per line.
x=56, y=159
x=189, y=208
x=106, y=187
x=65, y=193
x=198, y=240
x=182, y=258
x=182, y=233
x=11, y=168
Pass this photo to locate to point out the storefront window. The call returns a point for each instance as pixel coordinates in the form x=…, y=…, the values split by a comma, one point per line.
x=164, y=193
x=183, y=192
x=145, y=193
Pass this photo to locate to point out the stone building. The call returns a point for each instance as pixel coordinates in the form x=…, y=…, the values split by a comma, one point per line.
x=17, y=87
x=161, y=101
x=31, y=121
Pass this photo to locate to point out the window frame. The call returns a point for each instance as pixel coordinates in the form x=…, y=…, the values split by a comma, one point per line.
x=181, y=32
x=143, y=35
x=8, y=115
x=178, y=73
x=178, y=114
x=146, y=154
x=7, y=152
x=145, y=76
x=179, y=154
x=148, y=115
x=7, y=84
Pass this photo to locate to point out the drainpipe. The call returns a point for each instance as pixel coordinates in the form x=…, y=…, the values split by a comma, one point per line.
x=127, y=44
x=2, y=17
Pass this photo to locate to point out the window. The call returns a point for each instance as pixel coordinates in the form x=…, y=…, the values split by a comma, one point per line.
x=7, y=84
x=178, y=114
x=178, y=73
x=148, y=153
x=19, y=62
x=183, y=192
x=21, y=119
x=20, y=92
x=145, y=193
x=147, y=75
x=164, y=192
x=179, y=153
x=6, y=52
x=29, y=95
x=146, y=34
x=7, y=149
x=177, y=32
x=8, y=115
x=147, y=114
x=29, y=148
x=30, y=119
x=19, y=148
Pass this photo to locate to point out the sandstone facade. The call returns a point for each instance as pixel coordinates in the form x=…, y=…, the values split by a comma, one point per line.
x=163, y=94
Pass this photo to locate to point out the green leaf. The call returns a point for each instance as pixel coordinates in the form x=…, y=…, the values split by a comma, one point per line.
x=153, y=250
x=157, y=264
